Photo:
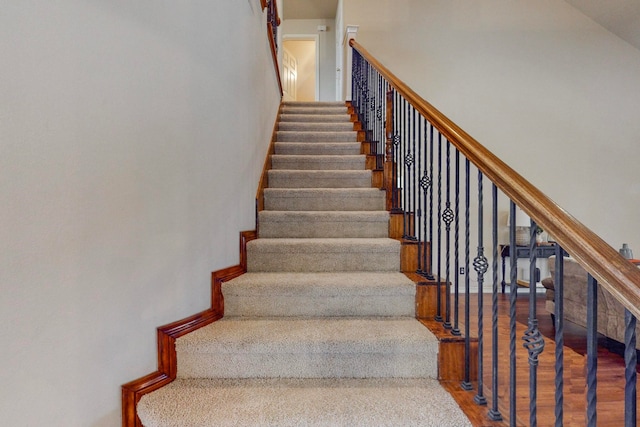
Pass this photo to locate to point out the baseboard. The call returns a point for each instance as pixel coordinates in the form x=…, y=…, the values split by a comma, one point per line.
x=167, y=335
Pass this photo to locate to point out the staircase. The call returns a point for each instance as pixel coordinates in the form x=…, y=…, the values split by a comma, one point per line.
x=321, y=328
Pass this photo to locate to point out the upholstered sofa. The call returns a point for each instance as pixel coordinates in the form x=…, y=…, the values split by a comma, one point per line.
x=610, y=311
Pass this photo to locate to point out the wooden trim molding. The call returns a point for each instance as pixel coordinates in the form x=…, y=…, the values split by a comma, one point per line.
x=616, y=274
x=274, y=55
x=263, y=3
x=167, y=335
x=264, y=178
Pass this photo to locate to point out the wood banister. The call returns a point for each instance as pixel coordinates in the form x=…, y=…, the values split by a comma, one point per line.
x=616, y=274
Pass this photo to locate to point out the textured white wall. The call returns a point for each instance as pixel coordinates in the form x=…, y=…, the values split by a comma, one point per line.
x=549, y=91
x=132, y=136
x=327, y=50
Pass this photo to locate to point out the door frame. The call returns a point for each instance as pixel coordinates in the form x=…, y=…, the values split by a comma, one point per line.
x=308, y=37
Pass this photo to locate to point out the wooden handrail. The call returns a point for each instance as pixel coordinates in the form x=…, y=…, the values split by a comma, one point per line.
x=615, y=273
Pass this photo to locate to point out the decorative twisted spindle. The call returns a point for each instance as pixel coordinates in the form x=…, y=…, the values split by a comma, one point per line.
x=494, y=413
x=533, y=341
x=480, y=265
x=513, y=296
x=558, y=283
x=466, y=383
x=456, y=291
x=630, y=375
x=592, y=351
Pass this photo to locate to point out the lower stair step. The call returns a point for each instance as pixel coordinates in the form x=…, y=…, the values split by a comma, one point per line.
x=280, y=178
x=319, y=294
x=301, y=224
x=318, y=148
x=324, y=199
x=376, y=347
x=312, y=136
x=301, y=402
x=318, y=162
x=318, y=255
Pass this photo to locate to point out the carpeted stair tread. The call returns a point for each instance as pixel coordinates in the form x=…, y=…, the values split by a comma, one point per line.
x=324, y=347
x=316, y=255
x=318, y=148
x=315, y=127
x=324, y=199
x=314, y=118
x=312, y=136
x=326, y=110
x=283, y=178
x=318, y=162
x=326, y=224
x=301, y=402
x=313, y=104
x=319, y=294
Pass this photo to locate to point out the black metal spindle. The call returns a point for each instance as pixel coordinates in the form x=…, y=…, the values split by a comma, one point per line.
x=558, y=283
x=480, y=265
x=438, y=316
x=413, y=179
x=630, y=375
x=466, y=383
x=592, y=351
x=447, y=218
x=419, y=212
x=494, y=413
x=430, y=276
x=533, y=341
x=456, y=239
x=513, y=296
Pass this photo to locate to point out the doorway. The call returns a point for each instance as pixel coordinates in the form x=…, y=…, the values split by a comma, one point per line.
x=300, y=66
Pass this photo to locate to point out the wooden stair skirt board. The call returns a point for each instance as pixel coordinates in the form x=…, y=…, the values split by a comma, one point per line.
x=451, y=348
x=133, y=391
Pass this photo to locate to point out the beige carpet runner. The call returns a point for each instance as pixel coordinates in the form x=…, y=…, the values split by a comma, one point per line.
x=320, y=331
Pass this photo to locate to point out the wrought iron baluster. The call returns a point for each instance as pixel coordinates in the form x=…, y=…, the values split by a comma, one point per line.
x=456, y=287
x=438, y=316
x=513, y=296
x=494, y=413
x=425, y=184
x=412, y=178
x=396, y=151
x=480, y=265
x=466, y=383
x=558, y=284
x=630, y=375
x=447, y=218
x=419, y=214
x=592, y=351
x=533, y=340
x=430, y=276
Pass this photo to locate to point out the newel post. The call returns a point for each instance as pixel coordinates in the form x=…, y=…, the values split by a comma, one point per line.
x=389, y=167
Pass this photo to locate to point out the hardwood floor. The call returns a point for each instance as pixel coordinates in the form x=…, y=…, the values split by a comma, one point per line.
x=610, y=375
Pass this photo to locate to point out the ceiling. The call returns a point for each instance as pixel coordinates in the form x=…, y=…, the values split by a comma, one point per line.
x=621, y=17
x=309, y=9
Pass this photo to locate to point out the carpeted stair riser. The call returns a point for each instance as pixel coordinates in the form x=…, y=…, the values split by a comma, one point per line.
x=315, y=127
x=318, y=162
x=324, y=199
x=318, y=255
x=336, y=294
x=315, y=110
x=364, y=347
x=319, y=179
x=315, y=118
x=323, y=224
x=292, y=136
x=318, y=148
x=313, y=104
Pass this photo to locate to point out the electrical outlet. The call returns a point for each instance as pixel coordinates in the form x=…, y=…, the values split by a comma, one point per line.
x=461, y=270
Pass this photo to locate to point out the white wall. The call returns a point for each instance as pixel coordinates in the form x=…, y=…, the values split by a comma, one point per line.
x=327, y=54
x=132, y=138
x=549, y=91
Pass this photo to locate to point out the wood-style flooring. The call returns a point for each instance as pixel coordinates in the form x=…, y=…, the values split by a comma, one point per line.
x=610, y=396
